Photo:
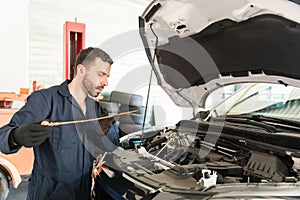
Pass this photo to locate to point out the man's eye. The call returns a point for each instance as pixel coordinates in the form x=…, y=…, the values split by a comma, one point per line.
x=101, y=74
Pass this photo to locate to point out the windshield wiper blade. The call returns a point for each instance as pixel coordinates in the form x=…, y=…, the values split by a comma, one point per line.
x=269, y=128
x=264, y=118
x=241, y=119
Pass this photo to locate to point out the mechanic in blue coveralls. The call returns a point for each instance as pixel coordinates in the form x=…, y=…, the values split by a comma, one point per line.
x=64, y=154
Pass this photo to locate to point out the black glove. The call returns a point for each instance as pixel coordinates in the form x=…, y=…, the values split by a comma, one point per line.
x=30, y=135
x=105, y=124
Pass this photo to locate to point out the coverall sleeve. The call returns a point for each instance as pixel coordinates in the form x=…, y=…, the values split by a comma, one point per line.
x=35, y=110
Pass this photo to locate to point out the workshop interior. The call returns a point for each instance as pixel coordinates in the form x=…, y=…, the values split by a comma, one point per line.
x=204, y=96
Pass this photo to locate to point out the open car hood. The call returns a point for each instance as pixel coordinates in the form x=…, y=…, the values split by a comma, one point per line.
x=197, y=46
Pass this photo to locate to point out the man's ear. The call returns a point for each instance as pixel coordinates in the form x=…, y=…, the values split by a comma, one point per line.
x=80, y=69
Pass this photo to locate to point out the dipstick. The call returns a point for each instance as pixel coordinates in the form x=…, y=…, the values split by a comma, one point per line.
x=47, y=123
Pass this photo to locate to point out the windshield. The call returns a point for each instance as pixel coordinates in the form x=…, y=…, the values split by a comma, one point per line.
x=273, y=100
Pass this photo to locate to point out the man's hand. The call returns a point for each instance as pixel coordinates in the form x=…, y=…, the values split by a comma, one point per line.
x=30, y=135
x=105, y=124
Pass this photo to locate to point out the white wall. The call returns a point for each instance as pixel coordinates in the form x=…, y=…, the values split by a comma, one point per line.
x=103, y=19
x=14, y=45
x=32, y=35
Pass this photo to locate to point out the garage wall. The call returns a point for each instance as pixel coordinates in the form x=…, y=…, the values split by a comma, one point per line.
x=32, y=44
x=103, y=19
x=14, y=43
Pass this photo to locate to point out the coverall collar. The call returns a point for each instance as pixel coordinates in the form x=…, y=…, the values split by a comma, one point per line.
x=64, y=90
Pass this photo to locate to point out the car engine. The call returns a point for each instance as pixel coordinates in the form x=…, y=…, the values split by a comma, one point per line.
x=210, y=153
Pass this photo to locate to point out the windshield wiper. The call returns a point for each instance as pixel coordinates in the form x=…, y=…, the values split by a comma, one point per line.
x=249, y=121
x=276, y=122
x=269, y=119
x=241, y=119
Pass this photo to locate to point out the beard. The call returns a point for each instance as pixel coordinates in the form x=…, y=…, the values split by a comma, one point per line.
x=90, y=88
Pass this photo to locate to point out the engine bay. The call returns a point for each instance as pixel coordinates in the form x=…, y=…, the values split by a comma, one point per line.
x=196, y=159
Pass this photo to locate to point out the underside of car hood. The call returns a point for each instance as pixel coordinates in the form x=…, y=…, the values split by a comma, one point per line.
x=198, y=46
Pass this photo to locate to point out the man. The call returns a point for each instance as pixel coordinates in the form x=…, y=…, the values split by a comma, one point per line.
x=64, y=154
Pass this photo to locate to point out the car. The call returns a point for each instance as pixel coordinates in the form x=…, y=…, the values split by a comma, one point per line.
x=235, y=64
x=14, y=168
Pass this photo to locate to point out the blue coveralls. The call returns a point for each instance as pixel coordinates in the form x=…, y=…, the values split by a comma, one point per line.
x=63, y=163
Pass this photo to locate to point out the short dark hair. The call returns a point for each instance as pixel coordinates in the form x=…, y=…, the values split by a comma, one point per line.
x=88, y=55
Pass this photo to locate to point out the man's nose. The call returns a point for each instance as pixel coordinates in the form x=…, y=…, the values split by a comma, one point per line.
x=104, y=81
